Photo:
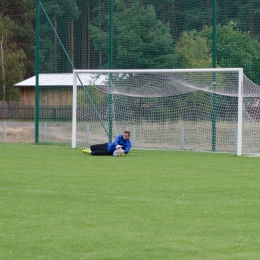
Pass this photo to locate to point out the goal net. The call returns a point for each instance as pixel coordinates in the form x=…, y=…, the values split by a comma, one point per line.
x=189, y=109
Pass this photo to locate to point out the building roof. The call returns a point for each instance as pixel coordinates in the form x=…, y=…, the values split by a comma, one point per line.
x=62, y=79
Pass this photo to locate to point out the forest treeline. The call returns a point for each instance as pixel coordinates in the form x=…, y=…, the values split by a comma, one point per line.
x=146, y=34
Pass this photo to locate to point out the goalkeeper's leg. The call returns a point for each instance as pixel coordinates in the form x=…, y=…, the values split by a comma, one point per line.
x=99, y=152
x=99, y=149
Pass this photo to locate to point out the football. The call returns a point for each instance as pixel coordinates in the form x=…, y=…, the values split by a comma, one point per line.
x=116, y=153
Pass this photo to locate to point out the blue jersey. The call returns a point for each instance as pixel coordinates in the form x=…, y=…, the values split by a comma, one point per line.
x=126, y=145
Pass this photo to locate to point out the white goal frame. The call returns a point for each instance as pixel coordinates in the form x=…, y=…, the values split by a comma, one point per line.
x=239, y=89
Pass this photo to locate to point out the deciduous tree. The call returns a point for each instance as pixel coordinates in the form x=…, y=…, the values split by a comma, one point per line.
x=235, y=49
x=193, y=51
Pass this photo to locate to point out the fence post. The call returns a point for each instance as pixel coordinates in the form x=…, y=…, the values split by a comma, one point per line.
x=44, y=132
x=133, y=136
x=235, y=139
x=87, y=135
x=4, y=131
x=182, y=137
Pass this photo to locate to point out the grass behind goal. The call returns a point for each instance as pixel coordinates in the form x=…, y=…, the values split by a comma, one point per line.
x=57, y=203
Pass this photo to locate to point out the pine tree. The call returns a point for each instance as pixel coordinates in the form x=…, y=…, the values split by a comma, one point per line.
x=12, y=59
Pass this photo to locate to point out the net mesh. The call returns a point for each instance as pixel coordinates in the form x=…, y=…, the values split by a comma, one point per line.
x=145, y=34
x=173, y=110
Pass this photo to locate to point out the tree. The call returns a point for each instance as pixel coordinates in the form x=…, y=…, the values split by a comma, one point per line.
x=11, y=61
x=235, y=49
x=22, y=14
x=140, y=39
x=61, y=16
x=193, y=51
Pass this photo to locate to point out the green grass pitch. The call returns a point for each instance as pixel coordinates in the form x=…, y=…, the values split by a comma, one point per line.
x=58, y=203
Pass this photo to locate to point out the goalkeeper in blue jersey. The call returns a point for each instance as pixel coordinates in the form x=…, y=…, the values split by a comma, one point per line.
x=122, y=144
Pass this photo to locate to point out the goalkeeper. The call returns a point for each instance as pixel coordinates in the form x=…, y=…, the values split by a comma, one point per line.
x=122, y=144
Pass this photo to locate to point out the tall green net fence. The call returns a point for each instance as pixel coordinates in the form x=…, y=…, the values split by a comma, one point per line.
x=135, y=34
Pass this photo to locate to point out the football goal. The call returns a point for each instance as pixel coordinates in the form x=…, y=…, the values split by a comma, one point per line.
x=173, y=109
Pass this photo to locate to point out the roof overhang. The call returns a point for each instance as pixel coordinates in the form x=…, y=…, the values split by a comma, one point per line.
x=60, y=79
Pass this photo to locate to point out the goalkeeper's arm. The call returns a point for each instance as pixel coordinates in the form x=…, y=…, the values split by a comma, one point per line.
x=127, y=148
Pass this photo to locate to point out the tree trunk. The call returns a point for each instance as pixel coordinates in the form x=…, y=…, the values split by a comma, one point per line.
x=89, y=50
x=71, y=37
x=55, y=45
x=100, y=54
x=84, y=38
x=2, y=65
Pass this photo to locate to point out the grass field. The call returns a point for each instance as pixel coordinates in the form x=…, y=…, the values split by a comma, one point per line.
x=58, y=203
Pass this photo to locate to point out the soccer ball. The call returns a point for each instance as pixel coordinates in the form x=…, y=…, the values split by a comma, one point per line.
x=116, y=153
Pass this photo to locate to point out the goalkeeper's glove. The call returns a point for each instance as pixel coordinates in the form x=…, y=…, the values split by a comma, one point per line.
x=118, y=146
x=120, y=150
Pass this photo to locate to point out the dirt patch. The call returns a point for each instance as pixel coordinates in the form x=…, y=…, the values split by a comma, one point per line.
x=17, y=132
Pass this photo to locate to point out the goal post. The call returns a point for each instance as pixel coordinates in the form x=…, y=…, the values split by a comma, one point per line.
x=162, y=108
x=240, y=113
